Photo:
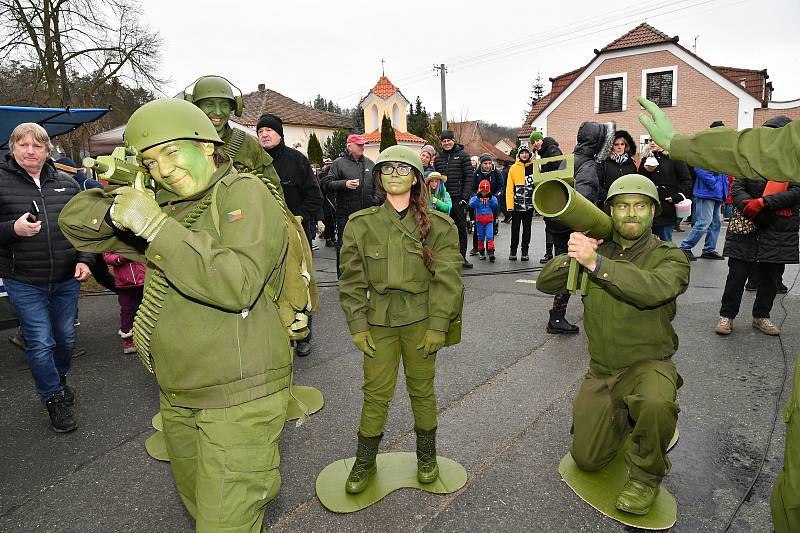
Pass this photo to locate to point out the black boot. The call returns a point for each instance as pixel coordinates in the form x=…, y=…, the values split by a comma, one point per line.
x=60, y=414
x=558, y=324
x=427, y=467
x=364, y=467
x=69, y=393
x=491, y=256
x=525, y=256
x=483, y=255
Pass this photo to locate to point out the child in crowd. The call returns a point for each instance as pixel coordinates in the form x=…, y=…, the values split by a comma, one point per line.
x=438, y=197
x=485, y=206
x=129, y=280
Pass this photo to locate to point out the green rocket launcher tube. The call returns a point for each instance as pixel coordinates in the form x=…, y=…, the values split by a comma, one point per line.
x=120, y=168
x=556, y=199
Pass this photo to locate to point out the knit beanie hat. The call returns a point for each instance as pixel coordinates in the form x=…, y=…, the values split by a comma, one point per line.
x=428, y=149
x=537, y=136
x=268, y=120
x=485, y=157
x=447, y=134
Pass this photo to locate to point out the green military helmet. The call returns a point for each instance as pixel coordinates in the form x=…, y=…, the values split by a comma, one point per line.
x=635, y=184
x=165, y=120
x=399, y=154
x=215, y=87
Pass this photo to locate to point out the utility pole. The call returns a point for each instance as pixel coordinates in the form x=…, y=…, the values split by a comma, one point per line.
x=442, y=70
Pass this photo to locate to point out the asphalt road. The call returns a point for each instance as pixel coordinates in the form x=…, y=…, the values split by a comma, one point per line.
x=504, y=398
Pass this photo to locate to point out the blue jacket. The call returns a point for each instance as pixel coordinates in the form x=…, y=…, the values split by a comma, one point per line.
x=710, y=185
x=483, y=208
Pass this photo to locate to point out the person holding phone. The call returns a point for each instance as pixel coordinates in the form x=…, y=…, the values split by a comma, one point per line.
x=40, y=269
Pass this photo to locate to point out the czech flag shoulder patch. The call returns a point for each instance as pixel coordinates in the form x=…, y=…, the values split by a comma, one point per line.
x=233, y=216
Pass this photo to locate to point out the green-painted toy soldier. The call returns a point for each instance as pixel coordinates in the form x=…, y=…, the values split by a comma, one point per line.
x=216, y=345
x=631, y=384
x=755, y=153
x=214, y=95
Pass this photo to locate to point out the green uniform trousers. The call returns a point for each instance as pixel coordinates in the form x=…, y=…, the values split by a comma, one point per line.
x=380, y=377
x=225, y=461
x=785, y=501
x=639, y=399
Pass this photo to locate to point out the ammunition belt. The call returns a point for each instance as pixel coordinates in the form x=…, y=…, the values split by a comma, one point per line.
x=153, y=298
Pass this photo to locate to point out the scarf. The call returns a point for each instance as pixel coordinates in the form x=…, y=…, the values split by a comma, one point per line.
x=619, y=158
x=775, y=187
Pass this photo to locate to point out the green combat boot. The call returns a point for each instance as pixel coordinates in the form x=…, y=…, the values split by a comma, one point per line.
x=427, y=467
x=636, y=497
x=364, y=467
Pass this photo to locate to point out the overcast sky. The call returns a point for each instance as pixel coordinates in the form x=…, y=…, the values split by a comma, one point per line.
x=493, y=50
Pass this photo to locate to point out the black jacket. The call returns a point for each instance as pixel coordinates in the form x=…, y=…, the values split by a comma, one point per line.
x=550, y=148
x=775, y=239
x=494, y=177
x=300, y=187
x=456, y=165
x=672, y=179
x=348, y=201
x=610, y=170
x=594, y=143
x=47, y=257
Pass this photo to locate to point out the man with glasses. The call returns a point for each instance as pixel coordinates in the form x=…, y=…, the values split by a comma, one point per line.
x=454, y=162
x=350, y=181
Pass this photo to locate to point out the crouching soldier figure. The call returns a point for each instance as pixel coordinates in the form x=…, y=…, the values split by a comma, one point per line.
x=629, y=306
x=215, y=343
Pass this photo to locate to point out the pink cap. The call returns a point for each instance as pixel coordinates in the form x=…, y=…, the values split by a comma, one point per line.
x=356, y=138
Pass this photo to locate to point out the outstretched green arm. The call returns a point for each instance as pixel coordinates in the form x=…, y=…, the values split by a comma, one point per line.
x=754, y=153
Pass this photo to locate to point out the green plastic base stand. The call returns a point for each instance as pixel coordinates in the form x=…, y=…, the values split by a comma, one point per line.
x=600, y=489
x=157, y=423
x=304, y=401
x=156, y=446
x=396, y=470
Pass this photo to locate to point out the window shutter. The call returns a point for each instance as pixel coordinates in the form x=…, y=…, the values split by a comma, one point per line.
x=610, y=96
x=659, y=88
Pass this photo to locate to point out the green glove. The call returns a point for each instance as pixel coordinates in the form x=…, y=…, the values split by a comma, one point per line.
x=432, y=342
x=137, y=211
x=363, y=341
x=659, y=126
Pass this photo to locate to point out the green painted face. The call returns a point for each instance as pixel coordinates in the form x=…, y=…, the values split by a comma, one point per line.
x=632, y=215
x=183, y=166
x=218, y=110
x=395, y=183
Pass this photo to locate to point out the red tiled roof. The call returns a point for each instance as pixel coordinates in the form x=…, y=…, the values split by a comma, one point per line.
x=384, y=88
x=755, y=81
x=401, y=136
x=289, y=111
x=642, y=35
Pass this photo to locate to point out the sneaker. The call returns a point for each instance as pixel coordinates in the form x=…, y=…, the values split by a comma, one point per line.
x=545, y=258
x=525, y=257
x=750, y=287
x=689, y=255
x=314, y=247
x=724, y=326
x=711, y=255
x=512, y=257
x=474, y=251
x=466, y=264
x=128, y=346
x=69, y=392
x=782, y=289
x=60, y=414
x=765, y=326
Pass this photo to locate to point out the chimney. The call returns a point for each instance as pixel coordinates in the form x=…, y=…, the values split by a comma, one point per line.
x=262, y=87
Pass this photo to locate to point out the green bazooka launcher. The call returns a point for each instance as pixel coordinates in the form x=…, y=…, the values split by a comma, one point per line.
x=556, y=198
x=122, y=167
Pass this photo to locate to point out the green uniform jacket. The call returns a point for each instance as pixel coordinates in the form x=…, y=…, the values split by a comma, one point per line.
x=768, y=153
x=384, y=281
x=630, y=302
x=218, y=340
x=252, y=158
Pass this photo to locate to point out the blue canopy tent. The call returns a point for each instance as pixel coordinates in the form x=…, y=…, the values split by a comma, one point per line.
x=55, y=121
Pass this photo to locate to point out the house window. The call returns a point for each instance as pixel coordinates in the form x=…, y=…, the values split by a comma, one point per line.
x=659, y=88
x=660, y=85
x=610, y=93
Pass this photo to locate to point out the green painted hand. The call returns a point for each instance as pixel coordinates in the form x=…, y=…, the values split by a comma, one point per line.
x=657, y=124
x=137, y=211
x=432, y=342
x=363, y=341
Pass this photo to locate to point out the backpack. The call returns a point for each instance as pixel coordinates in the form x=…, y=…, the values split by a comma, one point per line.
x=292, y=286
